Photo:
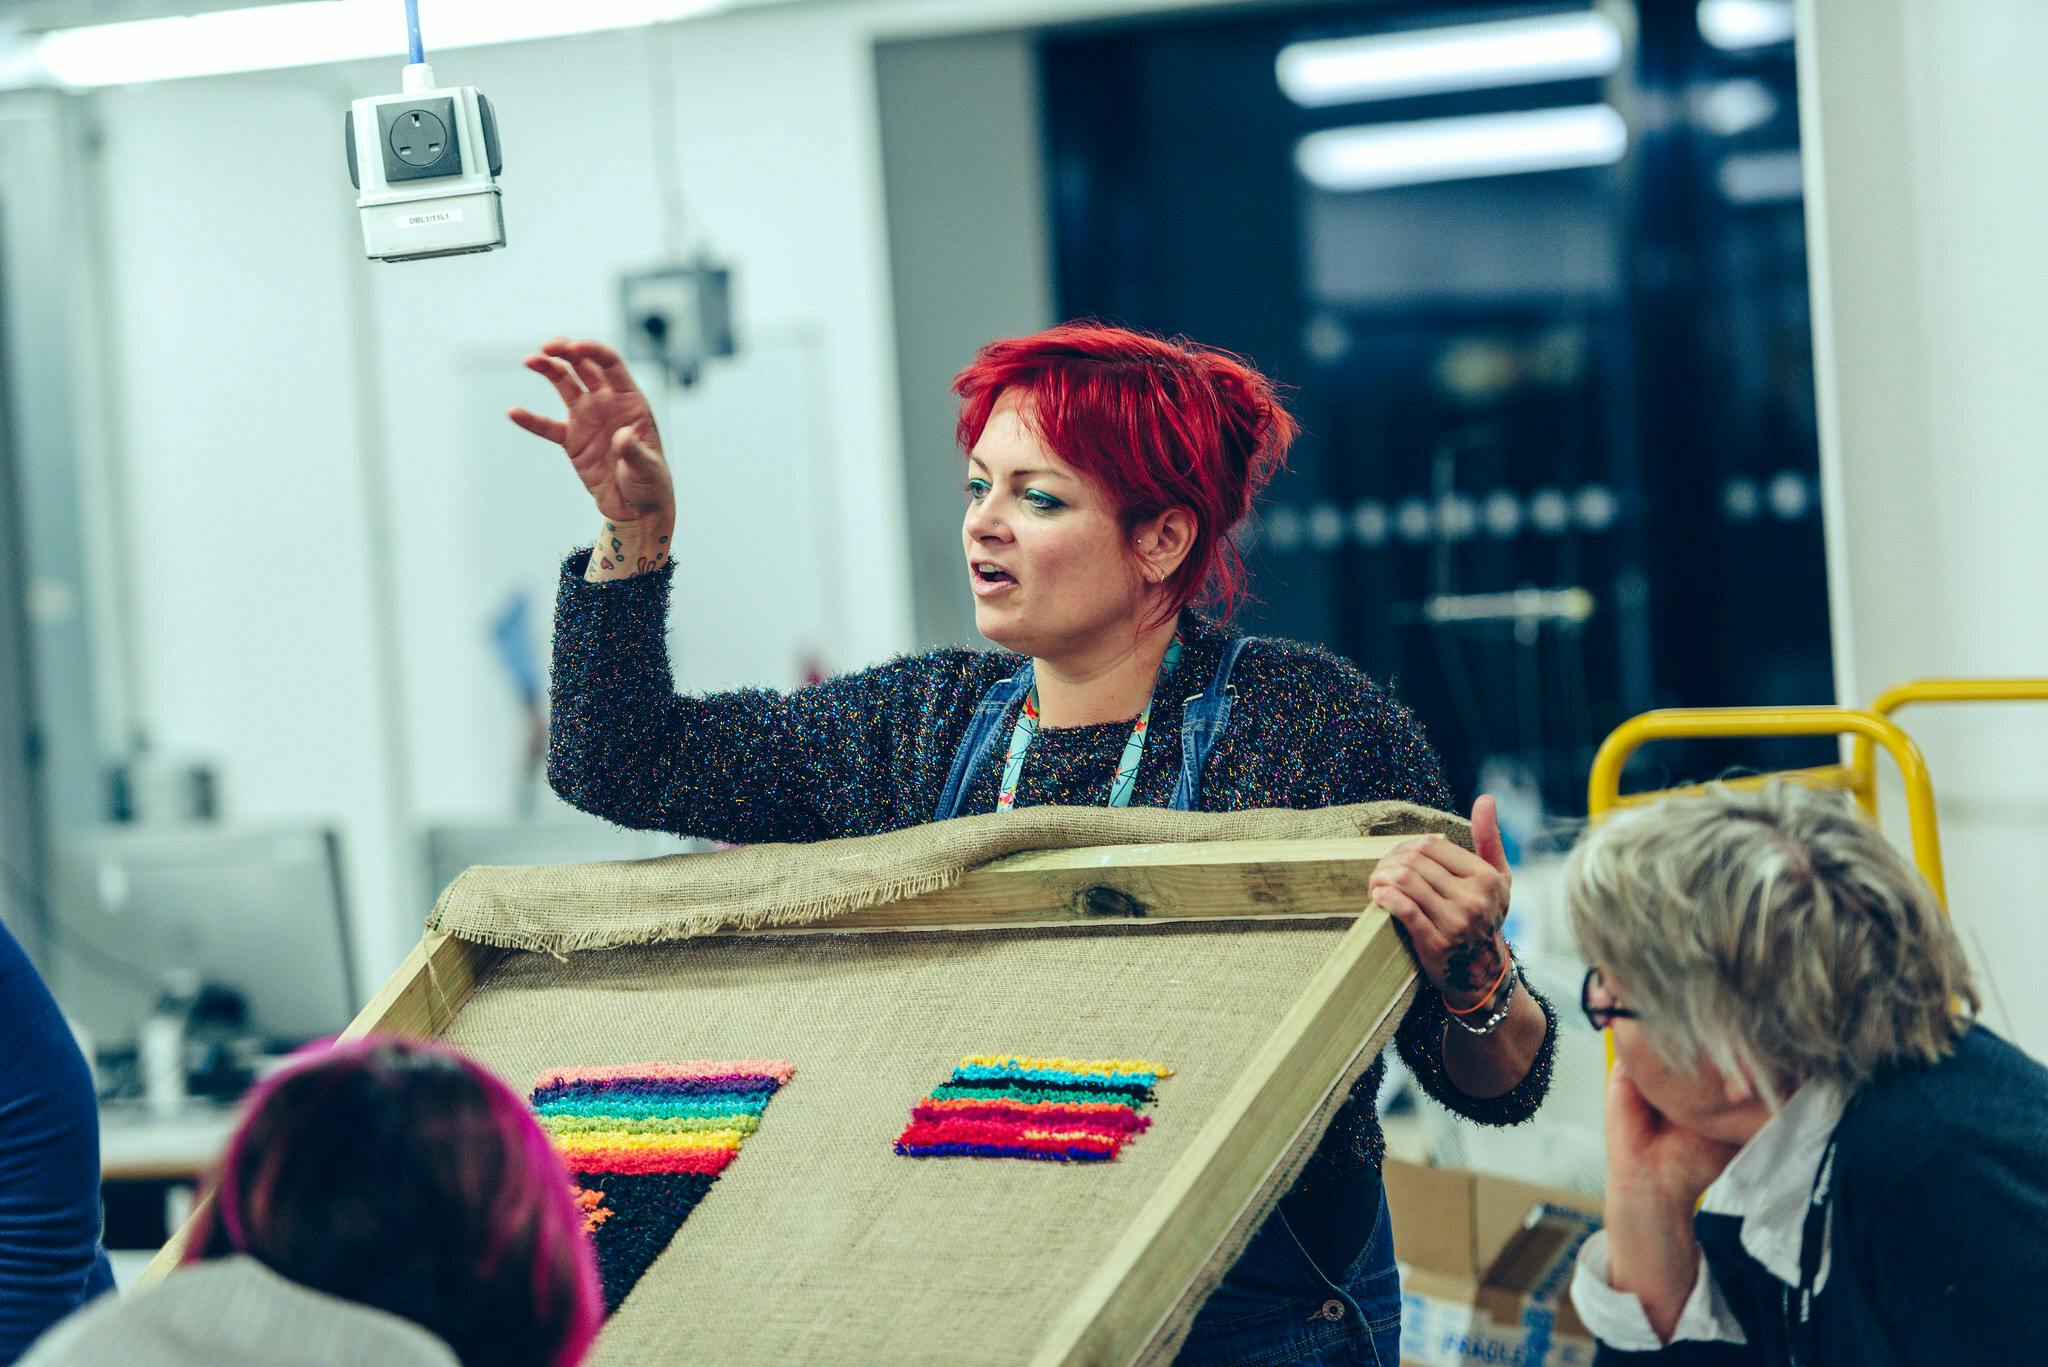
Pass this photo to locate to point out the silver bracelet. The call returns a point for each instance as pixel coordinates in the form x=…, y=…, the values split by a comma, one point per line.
x=1492, y=1022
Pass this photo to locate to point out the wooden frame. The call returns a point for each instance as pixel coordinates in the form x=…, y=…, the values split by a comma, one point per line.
x=1346, y=1007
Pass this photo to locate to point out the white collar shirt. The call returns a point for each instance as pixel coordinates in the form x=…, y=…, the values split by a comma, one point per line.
x=1767, y=1186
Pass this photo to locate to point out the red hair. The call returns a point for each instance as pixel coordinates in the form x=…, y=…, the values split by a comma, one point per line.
x=1155, y=422
x=401, y=1175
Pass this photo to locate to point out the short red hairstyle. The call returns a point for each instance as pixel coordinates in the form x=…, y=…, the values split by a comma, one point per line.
x=1156, y=422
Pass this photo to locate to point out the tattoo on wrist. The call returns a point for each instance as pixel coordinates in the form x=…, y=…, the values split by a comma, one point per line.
x=1471, y=967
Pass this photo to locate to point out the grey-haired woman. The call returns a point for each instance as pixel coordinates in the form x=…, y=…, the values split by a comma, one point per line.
x=1815, y=1157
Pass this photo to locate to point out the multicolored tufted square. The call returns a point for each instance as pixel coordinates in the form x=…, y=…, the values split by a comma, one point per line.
x=1053, y=1109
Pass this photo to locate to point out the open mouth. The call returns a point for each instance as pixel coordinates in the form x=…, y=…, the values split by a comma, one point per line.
x=990, y=581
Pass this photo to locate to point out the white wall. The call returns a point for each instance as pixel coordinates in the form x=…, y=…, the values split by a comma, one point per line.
x=247, y=565
x=329, y=506
x=963, y=160
x=1926, y=208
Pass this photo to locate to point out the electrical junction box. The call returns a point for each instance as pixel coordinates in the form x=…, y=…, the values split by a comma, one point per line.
x=678, y=316
x=425, y=165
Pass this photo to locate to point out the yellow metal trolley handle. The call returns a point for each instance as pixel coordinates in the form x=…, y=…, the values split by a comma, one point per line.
x=1868, y=728
x=1863, y=755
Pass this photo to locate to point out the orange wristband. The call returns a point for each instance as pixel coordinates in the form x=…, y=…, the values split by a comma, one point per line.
x=1507, y=966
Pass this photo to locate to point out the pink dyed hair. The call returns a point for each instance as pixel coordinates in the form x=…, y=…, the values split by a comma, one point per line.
x=1156, y=422
x=394, y=1172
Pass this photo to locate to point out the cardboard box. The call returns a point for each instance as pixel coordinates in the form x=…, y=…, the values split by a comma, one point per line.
x=1486, y=1268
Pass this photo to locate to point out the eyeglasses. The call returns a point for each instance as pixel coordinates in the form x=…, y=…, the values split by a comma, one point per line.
x=1602, y=1013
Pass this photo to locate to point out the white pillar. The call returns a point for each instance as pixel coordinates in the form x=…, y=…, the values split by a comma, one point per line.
x=1927, y=211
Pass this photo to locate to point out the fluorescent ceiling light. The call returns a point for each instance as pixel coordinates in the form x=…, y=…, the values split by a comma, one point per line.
x=1468, y=57
x=317, y=31
x=1379, y=155
x=1733, y=25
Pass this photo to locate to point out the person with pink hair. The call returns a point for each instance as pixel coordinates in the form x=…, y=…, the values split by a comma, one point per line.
x=383, y=1203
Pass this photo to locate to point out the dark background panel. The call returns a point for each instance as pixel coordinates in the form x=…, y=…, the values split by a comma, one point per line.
x=1594, y=384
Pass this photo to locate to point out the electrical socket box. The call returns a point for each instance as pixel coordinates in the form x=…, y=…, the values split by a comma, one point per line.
x=425, y=165
x=678, y=316
x=420, y=139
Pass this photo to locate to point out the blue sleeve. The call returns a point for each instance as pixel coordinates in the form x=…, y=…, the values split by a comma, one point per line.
x=50, y=1257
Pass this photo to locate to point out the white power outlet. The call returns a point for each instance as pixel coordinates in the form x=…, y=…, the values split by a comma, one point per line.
x=425, y=164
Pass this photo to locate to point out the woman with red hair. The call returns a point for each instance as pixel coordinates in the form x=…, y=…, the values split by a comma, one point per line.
x=1106, y=472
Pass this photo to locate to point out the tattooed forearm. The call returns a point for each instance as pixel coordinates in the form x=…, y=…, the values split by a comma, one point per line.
x=627, y=549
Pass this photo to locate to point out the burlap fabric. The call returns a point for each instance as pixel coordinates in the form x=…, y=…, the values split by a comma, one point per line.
x=562, y=908
x=820, y=1244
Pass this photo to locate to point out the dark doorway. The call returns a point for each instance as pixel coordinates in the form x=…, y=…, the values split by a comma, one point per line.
x=1560, y=462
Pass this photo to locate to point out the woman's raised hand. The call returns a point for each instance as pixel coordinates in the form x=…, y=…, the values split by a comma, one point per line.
x=609, y=435
x=1451, y=901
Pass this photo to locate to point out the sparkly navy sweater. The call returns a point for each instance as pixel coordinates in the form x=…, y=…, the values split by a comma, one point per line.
x=1939, y=1229
x=870, y=751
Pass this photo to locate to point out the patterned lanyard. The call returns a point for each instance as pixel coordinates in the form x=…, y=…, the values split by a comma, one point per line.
x=1126, y=768
x=1802, y=1334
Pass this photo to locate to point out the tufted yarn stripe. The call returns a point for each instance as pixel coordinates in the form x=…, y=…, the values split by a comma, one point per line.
x=646, y=1141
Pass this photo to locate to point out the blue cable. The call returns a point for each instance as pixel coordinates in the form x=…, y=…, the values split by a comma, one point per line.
x=416, y=53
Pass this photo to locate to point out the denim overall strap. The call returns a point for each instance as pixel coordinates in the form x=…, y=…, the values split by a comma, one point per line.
x=982, y=729
x=1202, y=725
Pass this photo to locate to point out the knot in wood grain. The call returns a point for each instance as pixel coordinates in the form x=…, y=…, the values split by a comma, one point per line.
x=1100, y=899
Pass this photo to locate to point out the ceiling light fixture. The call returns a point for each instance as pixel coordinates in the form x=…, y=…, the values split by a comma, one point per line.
x=317, y=31
x=1376, y=156
x=1388, y=66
